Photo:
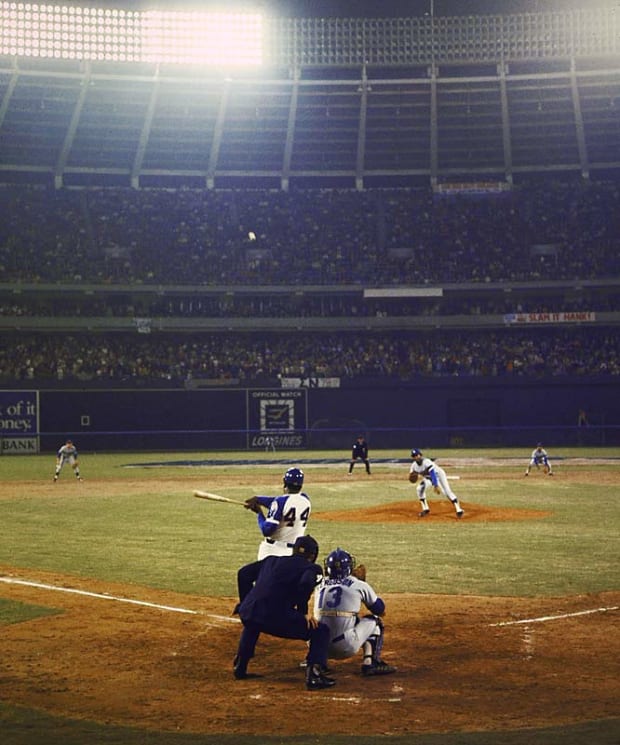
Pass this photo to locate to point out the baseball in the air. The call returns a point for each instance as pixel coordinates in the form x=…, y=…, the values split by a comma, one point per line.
x=251, y=236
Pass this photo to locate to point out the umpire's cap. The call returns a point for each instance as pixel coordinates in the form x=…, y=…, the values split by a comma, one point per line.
x=306, y=546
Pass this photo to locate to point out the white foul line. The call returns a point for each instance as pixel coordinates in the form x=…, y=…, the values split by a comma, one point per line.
x=42, y=586
x=541, y=619
x=174, y=609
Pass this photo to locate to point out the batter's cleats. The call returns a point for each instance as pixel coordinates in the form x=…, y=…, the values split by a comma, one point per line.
x=316, y=678
x=377, y=668
x=424, y=513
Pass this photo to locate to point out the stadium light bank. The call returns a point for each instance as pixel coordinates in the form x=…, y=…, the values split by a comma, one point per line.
x=214, y=38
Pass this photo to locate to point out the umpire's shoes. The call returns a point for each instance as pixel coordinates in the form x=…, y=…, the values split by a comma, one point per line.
x=316, y=678
x=377, y=668
x=240, y=669
x=424, y=513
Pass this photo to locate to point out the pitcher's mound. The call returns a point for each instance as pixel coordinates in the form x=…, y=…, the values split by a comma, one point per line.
x=441, y=511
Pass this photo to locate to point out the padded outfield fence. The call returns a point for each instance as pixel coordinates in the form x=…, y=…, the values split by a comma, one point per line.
x=446, y=413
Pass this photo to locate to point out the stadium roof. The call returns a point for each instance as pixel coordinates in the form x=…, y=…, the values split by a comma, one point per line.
x=377, y=8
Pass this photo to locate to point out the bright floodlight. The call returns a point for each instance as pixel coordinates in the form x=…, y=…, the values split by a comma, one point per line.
x=63, y=32
x=206, y=38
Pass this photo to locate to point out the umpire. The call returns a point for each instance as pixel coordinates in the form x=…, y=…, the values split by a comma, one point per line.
x=274, y=595
x=359, y=452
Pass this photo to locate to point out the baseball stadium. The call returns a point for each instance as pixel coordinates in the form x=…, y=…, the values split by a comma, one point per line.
x=360, y=258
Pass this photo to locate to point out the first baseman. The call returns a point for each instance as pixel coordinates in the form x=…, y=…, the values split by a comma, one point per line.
x=539, y=458
x=431, y=475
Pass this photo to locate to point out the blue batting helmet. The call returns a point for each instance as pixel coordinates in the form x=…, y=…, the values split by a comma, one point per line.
x=339, y=564
x=294, y=477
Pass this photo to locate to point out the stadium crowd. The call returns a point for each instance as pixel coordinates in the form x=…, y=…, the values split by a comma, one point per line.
x=543, y=230
x=335, y=238
x=248, y=358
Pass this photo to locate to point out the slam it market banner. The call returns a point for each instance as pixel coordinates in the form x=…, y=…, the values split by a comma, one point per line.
x=19, y=422
x=278, y=418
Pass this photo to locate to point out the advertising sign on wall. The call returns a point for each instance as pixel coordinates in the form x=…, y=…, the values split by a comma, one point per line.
x=19, y=422
x=278, y=418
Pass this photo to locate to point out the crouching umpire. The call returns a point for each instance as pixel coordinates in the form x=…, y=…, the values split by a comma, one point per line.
x=274, y=595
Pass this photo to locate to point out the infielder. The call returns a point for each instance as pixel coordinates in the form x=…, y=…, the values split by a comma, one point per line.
x=539, y=458
x=431, y=475
x=286, y=518
x=337, y=603
x=67, y=454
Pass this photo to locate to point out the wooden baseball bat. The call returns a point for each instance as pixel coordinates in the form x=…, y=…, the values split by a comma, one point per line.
x=216, y=497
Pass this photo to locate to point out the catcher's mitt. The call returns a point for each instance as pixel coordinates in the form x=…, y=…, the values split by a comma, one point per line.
x=360, y=572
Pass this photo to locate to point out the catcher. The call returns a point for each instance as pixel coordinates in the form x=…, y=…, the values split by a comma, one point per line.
x=67, y=453
x=337, y=602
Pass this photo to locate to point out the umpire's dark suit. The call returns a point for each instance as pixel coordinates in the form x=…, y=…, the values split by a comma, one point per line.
x=277, y=604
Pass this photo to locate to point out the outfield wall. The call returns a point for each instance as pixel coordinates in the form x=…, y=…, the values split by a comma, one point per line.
x=457, y=412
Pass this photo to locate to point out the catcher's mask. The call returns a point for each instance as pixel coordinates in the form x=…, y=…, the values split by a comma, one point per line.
x=339, y=564
x=307, y=547
x=294, y=478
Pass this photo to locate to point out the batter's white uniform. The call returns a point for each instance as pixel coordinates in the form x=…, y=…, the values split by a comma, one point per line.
x=432, y=475
x=289, y=514
x=337, y=603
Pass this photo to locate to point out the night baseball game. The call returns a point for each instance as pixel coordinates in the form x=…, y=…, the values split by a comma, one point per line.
x=310, y=372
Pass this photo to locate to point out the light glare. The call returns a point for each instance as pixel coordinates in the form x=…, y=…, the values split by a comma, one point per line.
x=149, y=36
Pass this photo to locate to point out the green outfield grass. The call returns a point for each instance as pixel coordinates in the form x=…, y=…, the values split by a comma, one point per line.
x=142, y=526
x=156, y=534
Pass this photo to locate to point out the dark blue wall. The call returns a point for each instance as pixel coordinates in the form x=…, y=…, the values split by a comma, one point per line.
x=431, y=412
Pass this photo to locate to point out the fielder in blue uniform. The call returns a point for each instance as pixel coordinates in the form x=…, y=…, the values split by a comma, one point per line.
x=539, y=458
x=274, y=595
